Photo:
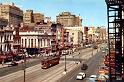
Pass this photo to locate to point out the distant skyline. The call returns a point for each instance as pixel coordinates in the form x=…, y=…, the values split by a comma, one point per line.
x=93, y=12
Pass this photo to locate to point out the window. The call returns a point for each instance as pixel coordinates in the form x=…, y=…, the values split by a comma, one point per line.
x=35, y=42
x=1, y=38
x=22, y=42
x=31, y=43
x=10, y=37
x=72, y=39
x=1, y=47
x=5, y=37
x=44, y=42
x=25, y=42
x=41, y=42
x=72, y=33
x=38, y=42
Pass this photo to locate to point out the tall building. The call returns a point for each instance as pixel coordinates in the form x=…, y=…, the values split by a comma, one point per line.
x=13, y=14
x=38, y=17
x=75, y=35
x=6, y=39
x=28, y=17
x=67, y=19
x=3, y=22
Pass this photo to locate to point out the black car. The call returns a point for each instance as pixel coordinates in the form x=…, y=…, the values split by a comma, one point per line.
x=14, y=63
x=84, y=67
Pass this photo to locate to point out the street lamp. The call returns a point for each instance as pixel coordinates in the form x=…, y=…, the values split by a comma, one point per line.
x=24, y=51
x=92, y=49
x=65, y=64
x=79, y=58
x=65, y=69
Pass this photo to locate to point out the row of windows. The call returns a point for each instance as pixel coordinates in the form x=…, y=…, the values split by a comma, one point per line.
x=6, y=37
x=32, y=42
x=5, y=47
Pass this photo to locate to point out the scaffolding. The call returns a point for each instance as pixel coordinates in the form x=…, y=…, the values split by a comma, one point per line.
x=115, y=39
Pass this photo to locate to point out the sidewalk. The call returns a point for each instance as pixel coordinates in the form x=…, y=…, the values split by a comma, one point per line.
x=3, y=66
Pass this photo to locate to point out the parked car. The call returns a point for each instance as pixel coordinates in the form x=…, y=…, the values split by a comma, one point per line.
x=80, y=76
x=84, y=66
x=65, y=52
x=13, y=63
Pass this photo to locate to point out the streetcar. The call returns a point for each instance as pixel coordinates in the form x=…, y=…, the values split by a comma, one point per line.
x=49, y=62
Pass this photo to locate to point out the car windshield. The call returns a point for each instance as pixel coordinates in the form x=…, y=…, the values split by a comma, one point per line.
x=93, y=76
x=81, y=73
x=84, y=65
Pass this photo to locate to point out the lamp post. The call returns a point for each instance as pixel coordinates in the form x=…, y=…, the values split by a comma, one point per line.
x=92, y=49
x=65, y=64
x=24, y=64
x=79, y=58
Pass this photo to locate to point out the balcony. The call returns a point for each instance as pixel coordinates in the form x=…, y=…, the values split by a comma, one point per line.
x=112, y=2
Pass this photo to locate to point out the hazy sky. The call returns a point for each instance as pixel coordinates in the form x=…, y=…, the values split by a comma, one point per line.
x=93, y=12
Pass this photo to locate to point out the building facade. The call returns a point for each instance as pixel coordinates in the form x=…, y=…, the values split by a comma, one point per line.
x=75, y=35
x=13, y=14
x=67, y=19
x=33, y=38
x=85, y=35
x=6, y=39
x=3, y=22
x=97, y=34
x=30, y=18
x=38, y=17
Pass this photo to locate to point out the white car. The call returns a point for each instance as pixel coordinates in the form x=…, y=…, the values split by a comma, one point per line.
x=93, y=78
x=103, y=51
x=103, y=77
x=86, y=46
x=80, y=76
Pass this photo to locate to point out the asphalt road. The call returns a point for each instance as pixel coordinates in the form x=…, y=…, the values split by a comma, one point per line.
x=37, y=74
x=8, y=70
x=93, y=64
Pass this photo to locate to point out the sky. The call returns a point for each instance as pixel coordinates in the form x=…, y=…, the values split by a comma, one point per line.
x=93, y=12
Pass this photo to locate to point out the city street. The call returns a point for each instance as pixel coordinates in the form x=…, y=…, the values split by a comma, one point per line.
x=93, y=64
x=39, y=73
x=61, y=40
x=32, y=62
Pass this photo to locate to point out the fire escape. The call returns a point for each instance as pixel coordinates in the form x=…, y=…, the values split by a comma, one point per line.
x=115, y=39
